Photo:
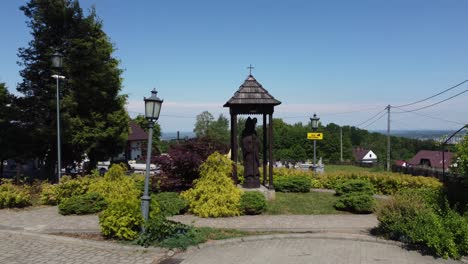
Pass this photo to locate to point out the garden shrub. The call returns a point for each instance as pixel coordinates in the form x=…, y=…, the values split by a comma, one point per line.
x=292, y=184
x=355, y=196
x=122, y=219
x=383, y=182
x=68, y=187
x=115, y=185
x=14, y=195
x=353, y=186
x=253, y=203
x=415, y=217
x=88, y=203
x=214, y=194
x=159, y=229
x=170, y=203
x=358, y=202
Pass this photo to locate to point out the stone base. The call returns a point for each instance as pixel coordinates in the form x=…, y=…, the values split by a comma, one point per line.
x=269, y=194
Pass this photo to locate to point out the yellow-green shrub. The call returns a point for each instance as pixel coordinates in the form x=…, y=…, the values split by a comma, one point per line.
x=214, y=194
x=52, y=194
x=116, y=185
x=13, y=195
x=383, y=182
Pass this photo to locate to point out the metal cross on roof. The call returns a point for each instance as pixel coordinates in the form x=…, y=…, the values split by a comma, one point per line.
x=250, y=69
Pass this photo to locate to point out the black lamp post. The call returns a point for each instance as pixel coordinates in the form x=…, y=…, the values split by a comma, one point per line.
x=57, y=61
x=152, y=109
x=314, y=122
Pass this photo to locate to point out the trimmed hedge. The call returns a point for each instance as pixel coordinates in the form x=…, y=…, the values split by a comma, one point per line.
x=355, y=196
x=171, y=203
x=383, y=182
x=253, y=203
x=89, y=203
x=292, y=184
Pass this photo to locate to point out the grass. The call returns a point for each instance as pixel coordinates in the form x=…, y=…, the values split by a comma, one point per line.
x=303, y=204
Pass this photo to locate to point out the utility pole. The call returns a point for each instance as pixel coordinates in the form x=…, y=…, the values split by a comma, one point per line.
x=341, y=144
x=388, y=137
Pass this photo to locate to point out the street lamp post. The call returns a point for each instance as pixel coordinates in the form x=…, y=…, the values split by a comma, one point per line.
x=57, y=60
x=314, y=122
x=152, y=109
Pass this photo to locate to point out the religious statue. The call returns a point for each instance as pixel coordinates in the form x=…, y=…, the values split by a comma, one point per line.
x=250, y=146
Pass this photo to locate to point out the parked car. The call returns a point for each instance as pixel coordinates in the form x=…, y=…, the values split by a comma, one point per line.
x=103, y=167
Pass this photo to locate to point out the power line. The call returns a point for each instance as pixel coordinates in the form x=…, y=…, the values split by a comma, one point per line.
x=362, y=123
x=380, y=117
x=337, y=113
x=430, y=97
x=428, y=116
x=427, y=106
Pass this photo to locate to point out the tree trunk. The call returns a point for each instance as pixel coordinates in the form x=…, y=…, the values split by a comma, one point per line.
x=1, y=167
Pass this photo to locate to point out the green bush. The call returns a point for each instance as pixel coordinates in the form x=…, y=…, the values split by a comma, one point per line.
x=116, y=185
x=358, y=202
x=253, y=203
x=292, y=184
x=418, y=218
x=14, y=195
x=171, y=203
x=353, y=186
x=89, y=203
x=122, y=219
x=355, y=196
x=158, y=229
x=214, y=193
x=68, y=187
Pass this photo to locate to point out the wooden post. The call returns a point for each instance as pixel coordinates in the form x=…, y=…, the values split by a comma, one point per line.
x=270, y=150
x=265, y=148
x=234, y=147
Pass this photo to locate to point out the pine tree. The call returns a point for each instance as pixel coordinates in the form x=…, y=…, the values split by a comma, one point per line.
x=93, y=117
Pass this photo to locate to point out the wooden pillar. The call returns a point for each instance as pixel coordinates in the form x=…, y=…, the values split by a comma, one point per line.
x=270, y=150
x=265, y=148
x=234, y=147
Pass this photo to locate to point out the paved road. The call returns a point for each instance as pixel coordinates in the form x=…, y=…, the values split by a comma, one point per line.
x=315, y=248
x=26, y=248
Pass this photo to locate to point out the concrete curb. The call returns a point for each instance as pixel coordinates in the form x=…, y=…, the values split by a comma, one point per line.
x=97, y=244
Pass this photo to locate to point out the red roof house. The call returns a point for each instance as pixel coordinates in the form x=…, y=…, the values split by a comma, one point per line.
x=364, y=155
x=136, y=141
x=431, y=158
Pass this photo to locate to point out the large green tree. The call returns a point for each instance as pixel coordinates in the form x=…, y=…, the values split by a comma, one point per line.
x=94, y=120
x=207, y=126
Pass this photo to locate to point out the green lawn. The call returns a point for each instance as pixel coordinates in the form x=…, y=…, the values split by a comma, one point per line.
x=303, y=204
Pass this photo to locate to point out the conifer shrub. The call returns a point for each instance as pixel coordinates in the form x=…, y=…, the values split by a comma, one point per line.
x=52, y=194
x=355, y=196
x=214, y=194
x=122, y=219
x=171, y=203
x=253, y=203
x=88, y=203
x=292, y=184
x=12, y=195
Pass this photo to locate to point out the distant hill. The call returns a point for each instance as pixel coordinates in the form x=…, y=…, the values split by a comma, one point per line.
x=173, y=135
x=420, y=134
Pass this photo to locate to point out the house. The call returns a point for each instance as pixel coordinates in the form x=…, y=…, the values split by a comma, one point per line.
x=432, y=159
x=136, y=142
x=401, y=163
x=364, y=156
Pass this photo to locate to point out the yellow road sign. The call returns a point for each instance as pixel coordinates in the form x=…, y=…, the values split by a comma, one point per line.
x=315, y=136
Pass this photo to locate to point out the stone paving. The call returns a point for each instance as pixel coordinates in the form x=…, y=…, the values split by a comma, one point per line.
x=333, y=239
x=25, y=248
x=309, y=248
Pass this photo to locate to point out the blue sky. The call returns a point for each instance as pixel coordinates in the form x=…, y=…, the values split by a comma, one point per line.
x=327, y=57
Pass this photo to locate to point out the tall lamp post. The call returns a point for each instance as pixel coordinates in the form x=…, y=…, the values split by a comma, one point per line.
x=57, y=60
x=314, y=122
x=152, y=109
